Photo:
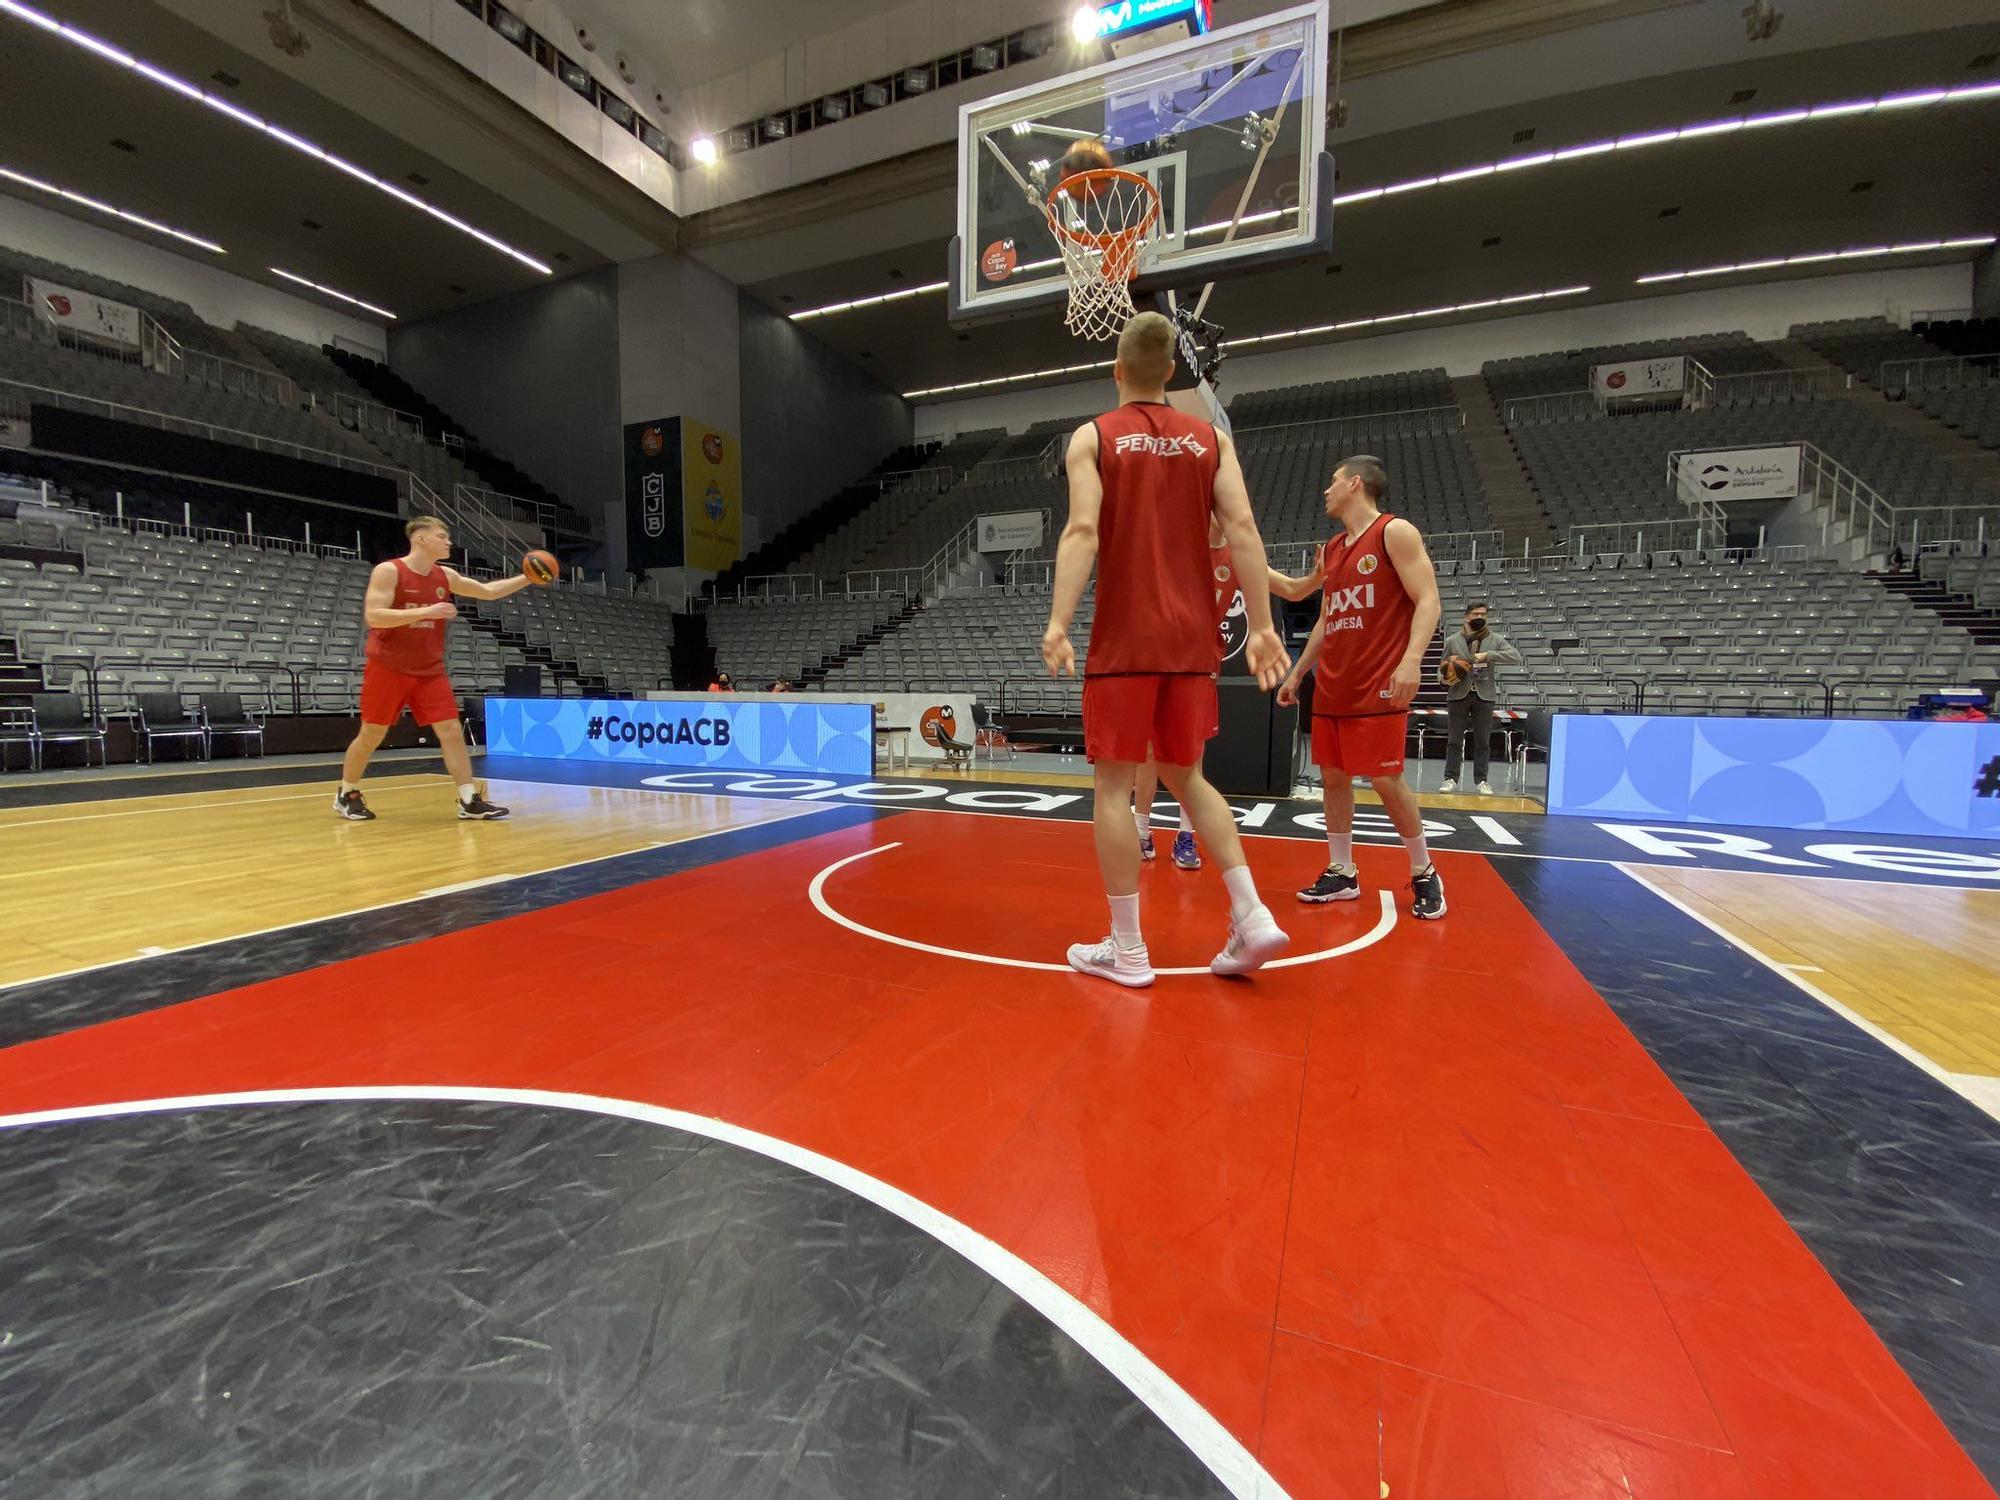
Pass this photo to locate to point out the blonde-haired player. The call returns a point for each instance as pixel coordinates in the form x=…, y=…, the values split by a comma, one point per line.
x=1144, y=481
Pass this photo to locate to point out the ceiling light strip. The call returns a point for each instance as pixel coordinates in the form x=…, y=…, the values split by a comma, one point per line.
x=95, y=206
x=1914, y=99
x=222, y=106
x=1819, y=257
x=380, y=312
x=1314, y=331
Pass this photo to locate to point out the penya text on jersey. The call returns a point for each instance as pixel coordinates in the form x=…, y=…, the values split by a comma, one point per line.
x=1158, y=446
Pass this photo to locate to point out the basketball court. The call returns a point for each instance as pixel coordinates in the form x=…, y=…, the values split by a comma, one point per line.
x=1615, y=1173
x=724, y=1132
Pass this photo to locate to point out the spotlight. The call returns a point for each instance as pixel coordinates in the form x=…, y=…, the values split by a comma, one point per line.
x=702, y=149
x=985, y=59
x=285, y=33
x=1083, y=24
x=1761, y=20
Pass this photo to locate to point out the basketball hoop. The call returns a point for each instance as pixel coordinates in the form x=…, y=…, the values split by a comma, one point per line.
x=1100, y=220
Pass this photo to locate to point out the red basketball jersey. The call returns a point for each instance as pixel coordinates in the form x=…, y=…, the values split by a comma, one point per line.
x=1155, y=596
x=1367, y=615
x=416, y=649
x=1222, y=570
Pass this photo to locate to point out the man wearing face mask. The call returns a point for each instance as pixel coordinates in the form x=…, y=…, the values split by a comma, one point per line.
x=1474, y=690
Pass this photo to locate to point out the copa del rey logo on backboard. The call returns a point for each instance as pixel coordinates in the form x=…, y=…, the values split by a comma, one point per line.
x=997, y=261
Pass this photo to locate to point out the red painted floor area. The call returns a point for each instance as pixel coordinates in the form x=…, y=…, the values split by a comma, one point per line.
x=1425, y=1216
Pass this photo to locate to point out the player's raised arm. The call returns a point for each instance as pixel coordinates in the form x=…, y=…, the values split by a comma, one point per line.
x=476, y=588
x=1405, y=546
x=1295, y=589
x=1265, y=651
x=1076, y=552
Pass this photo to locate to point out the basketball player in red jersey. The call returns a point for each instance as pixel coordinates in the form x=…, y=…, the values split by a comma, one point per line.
x=1144, y=481
x=1222, y=568
x=1378, y=611
x=407, y=608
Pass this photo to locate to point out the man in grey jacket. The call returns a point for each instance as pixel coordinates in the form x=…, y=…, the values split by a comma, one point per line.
x=1474, y=695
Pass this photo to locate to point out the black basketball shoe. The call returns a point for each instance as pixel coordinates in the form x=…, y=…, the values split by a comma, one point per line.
x=1427, y=891
x=1334, y=884
x=479, y=809
x=350, y=806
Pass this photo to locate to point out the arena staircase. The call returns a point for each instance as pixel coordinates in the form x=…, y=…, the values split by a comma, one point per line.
x=561, y=669
x=1967, y=460
x=816, y=676
x=392, y=390
x=19, y=680
x=1517, y=512
x=1983, y=625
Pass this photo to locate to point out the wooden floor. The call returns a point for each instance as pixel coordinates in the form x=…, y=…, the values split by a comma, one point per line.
x=1919, y=962
x=91, y=883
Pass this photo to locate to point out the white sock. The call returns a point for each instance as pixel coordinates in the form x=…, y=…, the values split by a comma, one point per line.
x=1340, y=849
x=467, y=791
x=1125, y=921
x=1187, y=821
x=1242, y=888
x=1420, y=854
x=346, y=787
x=1142, y=818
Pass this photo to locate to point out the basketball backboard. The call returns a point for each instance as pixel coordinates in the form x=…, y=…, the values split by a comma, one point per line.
x=1229, y=128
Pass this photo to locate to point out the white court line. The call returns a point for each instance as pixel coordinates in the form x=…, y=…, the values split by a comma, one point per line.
x=1209, y=1441
x=817, y=891
x=362, y=911
x=477, y=882
x=1989, y=1104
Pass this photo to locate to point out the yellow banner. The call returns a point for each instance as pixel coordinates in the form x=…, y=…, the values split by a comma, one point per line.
x=711, y=496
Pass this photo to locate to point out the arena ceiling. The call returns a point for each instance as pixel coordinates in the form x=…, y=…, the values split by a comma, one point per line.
x=1914, y=174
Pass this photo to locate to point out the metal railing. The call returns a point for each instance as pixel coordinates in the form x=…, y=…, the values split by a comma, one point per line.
x=1760, y=387
x=1927, y=528
x=770, y=586
x=371, y=416
x=1851, y=501
x=1948, y=372
x=517, y=510
x=20, y=319
x=1636, y=538
x=1556, y=406
x=933, y=480
x=1942, y=314
x=868, y=582
x=168, y=422
x=1413, y=419
x=1300, y=557
x=1031, y=576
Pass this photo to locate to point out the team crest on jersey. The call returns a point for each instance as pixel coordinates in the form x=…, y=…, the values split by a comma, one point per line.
x=1235, y=627
x=1366, y=563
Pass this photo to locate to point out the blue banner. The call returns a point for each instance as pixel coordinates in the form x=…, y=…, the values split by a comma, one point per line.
x=800, y=735
x=1895, y=776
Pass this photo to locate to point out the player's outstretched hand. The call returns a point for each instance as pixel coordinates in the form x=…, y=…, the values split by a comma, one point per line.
x=1058, y=653
x=1403, y=684
x=1288, y=693
x=1268, y=660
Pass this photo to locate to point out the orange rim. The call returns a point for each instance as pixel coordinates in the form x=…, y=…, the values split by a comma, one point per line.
x=1110, y=241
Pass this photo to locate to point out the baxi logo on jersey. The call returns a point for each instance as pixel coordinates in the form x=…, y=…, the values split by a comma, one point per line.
x=1234, y=630
x=1160, y=447
x=1346, y=603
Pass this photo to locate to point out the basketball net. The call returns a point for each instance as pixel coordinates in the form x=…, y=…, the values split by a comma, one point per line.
x=1100, y=220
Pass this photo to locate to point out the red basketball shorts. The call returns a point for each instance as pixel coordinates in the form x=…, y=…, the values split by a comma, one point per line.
x=1360, y=744
x=385, y=693
x=1173, y=714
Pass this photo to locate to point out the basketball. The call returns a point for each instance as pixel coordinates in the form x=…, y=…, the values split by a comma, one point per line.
x=541, y=567
x=1084, y=156
x=1455, y=668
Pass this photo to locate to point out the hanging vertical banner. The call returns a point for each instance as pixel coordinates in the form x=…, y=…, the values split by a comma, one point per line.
x=653, y=536
x=711, y=496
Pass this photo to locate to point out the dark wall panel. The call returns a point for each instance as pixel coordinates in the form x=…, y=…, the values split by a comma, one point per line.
x=812, y=420
x=534, y=377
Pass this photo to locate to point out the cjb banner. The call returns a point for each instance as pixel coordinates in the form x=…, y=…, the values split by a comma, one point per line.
x=683, y=496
